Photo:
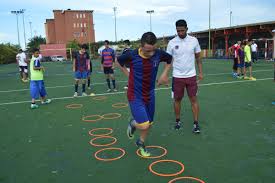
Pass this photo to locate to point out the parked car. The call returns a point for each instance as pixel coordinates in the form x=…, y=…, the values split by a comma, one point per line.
x=46, y=59
x=57, y=58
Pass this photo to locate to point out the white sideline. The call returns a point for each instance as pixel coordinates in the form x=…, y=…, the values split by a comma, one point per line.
x=115, y=93
x=93, y=84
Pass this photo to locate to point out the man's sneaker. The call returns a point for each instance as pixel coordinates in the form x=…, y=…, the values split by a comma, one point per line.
x=246, y=78
x=196, y=128
x=47, y=101
x=34, y=106
x=125, y=87
x=89, y=87
x=252, y=79
x=115, y=90
x=143, y=150
x=131, y=129
x=92, y=94
x=109, y=90
x=75, y=94
x=84, y=94
x=177, y=125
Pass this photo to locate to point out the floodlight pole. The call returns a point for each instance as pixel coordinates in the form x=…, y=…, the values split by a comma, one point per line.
x=150, y=13
x=18, y=36
x=209, y=29
x=115, y=9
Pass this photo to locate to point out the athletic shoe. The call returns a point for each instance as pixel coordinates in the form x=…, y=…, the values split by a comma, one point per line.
x=75, y=94
x=246, y=78
x=109, y=90
x=92, y=94
x=89, y=87
x=125, y=87
x=115, y=90
x=141, y=147
x=177, y=125
x=131, y=129
x=47, y=101
x=196, y=128
x=34, y=106
x=84, y=94
x=252, y=79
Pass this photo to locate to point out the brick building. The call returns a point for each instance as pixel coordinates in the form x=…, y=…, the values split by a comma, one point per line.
x=69, y=25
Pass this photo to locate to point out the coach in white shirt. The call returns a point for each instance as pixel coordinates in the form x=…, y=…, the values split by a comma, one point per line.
x=185, y=49
x=23, y=65
x=254, y=50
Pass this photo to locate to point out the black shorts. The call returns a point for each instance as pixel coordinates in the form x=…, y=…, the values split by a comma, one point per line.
x=235, y=64
x=23, y=69
x=108, y=70
x=247, y=64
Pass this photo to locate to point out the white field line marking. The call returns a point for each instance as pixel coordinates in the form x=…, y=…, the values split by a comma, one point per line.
x=115, y=93
x=93, y=84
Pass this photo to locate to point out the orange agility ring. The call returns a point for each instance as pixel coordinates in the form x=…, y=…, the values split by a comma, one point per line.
x=111, y=116
x=153, y=157
x=120, y=105
x=103, y=145
x=186, y=178
x=74, y=106
x=104, y=134
x=100, y=98
x=87, y=118
x=109, y=159
x=166, y=175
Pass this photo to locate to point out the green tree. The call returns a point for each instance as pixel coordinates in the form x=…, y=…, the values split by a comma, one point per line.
x=8, y=53
x=35, y=42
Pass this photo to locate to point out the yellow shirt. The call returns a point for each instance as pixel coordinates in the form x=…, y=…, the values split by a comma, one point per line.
x=247, y=53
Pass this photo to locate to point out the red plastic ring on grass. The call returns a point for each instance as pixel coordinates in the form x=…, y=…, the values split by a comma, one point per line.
x=115, y=116
x=164, y=174
x=99, y=98
x=92, y=120
x=98, y=135
x=103, y=145
x=109, y=159
x=187, y=178
x=74, y=106
x=120, y=105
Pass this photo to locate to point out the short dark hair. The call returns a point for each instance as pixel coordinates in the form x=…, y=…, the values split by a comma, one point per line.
x=107, y=42
x=20, y=50
x=127, y=42
x=35, y=50
x=148, y=38
x=181, y=23
x=84, y=46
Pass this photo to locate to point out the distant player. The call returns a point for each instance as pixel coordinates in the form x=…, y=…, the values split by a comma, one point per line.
x=144, y=63
x=247, y=60
x=23, y=65
x=234, y=51
x=81, y=67
x=273, y=103
x=37, y=87
x=127, y=48
x=240, y=65
x=107, y=65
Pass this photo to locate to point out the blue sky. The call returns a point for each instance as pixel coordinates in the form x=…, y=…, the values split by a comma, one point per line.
x=132, y=19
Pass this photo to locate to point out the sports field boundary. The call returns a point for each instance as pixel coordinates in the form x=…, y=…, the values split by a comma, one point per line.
x=117, y=93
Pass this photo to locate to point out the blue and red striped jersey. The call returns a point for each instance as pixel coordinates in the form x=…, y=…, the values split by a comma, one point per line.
x=82, y=61
x=108, y=57
x=143, y=73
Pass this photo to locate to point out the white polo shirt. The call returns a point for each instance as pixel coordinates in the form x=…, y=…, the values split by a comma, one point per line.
x=183, y=52
x=21, y=58
x=254, y=47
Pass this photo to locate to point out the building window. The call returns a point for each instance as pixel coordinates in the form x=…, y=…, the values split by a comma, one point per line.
x=80, y=15
x=76, y=34
x=84, y=15
x=76, y=15
x=74, y=25
x=85, y=25
x=85, y=34
x=77, y=24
